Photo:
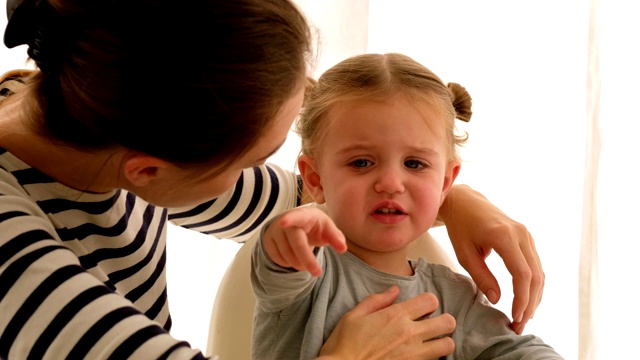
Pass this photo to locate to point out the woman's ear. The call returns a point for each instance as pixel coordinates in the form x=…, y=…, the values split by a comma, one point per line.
x=312, y=181
x=141, y=169
x=450, y=174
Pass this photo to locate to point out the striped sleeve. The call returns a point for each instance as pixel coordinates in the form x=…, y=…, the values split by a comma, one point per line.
x=260, y=193
x=51, y=307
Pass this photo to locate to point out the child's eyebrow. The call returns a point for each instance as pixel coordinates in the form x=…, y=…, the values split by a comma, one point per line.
x=354, y=147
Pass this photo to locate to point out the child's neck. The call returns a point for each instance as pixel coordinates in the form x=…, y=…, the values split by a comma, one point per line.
x=391, y=262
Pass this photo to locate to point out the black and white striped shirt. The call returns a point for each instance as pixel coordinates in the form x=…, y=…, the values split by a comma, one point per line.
x=82, y=275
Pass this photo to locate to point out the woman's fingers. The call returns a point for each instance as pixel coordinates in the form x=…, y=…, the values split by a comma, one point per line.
x=416, y=307
x=523, y=263
x=436, y=327
x=375, y=302
x=474, y=263
x=378, y=330
x=537, y=278
x=515, y=246
x=437, y=348
x=476, y=227
x=536, y=284
x=437, y=330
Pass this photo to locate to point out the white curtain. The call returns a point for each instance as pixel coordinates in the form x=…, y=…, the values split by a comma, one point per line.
x=588, y=299
x=617, y=194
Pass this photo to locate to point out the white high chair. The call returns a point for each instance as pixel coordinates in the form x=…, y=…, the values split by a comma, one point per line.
x=232, y=315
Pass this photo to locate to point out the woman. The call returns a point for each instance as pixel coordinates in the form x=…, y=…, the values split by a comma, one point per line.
x=148, y=111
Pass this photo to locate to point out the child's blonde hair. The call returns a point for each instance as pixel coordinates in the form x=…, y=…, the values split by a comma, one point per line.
x=375, y=77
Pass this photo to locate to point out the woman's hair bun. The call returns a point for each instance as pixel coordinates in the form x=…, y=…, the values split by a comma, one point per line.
x=461, y=101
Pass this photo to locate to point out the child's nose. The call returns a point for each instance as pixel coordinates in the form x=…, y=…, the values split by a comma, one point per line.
x=389, y=180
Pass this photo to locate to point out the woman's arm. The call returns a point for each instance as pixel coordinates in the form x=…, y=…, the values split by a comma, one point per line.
x=259, y=194
x=475, y=227
x=57, y=303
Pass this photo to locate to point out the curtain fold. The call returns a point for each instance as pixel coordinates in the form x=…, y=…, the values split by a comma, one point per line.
x=588, y=297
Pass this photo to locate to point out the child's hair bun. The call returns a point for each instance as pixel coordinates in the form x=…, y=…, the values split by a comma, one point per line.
x=309, y=85
x=461, y=101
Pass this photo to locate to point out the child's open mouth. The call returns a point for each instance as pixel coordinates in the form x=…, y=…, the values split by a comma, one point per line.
x=388, y=211
x=388, y=215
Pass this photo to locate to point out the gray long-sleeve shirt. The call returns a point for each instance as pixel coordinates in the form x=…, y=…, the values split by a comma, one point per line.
x=295, y=312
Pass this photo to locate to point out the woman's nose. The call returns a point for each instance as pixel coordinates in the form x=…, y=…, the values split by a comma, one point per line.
x=389, y=180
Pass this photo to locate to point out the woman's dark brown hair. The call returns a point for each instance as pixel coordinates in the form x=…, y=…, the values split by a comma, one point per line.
x=189, y=81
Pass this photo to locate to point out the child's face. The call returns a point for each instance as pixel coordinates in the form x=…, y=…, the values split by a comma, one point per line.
x=384, y=171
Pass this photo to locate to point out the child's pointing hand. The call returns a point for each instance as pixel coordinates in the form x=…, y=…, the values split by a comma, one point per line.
x=290, y=240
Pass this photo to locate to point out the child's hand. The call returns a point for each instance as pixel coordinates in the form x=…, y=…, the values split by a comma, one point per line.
x=289, y=241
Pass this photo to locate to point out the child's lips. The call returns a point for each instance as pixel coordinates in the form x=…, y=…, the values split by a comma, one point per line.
x=388, y=213
x=388, y=218
x=387, y=207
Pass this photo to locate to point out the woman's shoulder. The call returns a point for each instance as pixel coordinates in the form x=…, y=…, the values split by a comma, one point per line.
x=9, y=166
x=20, y=212
x=22, y=186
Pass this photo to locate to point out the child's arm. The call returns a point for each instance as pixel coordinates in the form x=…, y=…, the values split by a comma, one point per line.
x=289, y=241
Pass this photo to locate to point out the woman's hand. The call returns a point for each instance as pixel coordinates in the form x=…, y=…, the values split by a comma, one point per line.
x=375, y=329
x=475, y=227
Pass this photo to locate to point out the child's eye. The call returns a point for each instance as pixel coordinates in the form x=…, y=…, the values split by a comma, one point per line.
x=414, y=164
x=361, y=163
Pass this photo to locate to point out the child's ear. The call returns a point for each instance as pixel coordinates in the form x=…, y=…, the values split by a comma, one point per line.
x=141, y=169
x=309, y=172
x=450, y=174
